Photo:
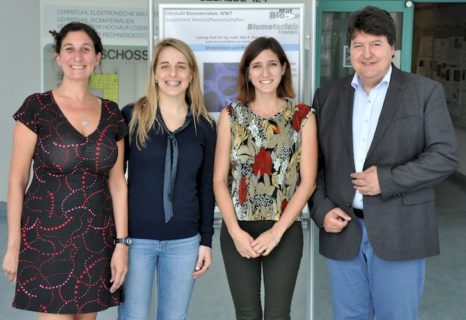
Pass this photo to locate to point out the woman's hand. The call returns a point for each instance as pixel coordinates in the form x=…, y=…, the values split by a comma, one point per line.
x=10, y=264
x=119, y=266
x=265, y=243
x=204, y=260
x=243, y=243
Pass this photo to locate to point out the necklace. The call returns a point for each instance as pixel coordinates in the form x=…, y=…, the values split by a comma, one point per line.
x=271, y=112
x=66, y=101
x=84, y=122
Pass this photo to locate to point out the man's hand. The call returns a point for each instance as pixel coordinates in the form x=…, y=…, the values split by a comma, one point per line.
x=367, y=182
x=336, y=220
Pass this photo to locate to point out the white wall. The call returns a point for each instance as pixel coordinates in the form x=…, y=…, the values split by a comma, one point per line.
x=20, y=69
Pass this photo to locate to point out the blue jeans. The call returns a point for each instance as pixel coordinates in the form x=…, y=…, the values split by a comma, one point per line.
x=367, y=285
x=174, y=261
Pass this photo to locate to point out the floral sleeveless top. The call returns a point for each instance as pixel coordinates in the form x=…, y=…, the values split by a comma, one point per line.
x=265, y=158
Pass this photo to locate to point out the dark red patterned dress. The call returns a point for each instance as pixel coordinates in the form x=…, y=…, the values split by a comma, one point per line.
x=67, y=225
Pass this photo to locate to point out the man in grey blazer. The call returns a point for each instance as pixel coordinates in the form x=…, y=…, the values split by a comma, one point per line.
x=385, y=138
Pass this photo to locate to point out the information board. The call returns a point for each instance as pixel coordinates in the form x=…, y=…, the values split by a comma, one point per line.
x=218, y=35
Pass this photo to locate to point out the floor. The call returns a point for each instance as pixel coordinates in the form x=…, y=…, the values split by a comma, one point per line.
x=444, y=295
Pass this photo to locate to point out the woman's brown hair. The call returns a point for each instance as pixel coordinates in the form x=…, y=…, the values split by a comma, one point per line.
x=246, y=90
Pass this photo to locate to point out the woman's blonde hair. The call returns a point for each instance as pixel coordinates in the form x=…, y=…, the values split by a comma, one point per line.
x=144, y=113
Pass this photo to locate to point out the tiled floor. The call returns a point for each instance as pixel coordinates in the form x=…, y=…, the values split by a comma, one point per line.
x=444, y=296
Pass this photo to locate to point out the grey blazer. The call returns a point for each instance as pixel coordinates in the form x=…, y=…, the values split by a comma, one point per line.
x=414, y=147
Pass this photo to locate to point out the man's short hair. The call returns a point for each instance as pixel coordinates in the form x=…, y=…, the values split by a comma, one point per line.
x=372, y=20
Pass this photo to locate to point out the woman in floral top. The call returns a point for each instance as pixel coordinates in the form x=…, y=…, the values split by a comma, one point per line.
x=269, y=145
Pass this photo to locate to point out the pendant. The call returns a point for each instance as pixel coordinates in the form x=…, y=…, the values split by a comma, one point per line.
x=84, y=123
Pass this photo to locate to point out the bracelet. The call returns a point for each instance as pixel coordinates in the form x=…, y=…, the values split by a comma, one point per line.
x=273, y=238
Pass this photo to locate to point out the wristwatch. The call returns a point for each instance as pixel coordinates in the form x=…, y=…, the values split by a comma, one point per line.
x=126, y=241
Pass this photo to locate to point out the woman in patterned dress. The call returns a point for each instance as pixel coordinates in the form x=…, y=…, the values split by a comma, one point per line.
x=269, y=145
x=61, y=232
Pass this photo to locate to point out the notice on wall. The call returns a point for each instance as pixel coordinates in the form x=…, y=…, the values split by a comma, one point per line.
x=107, y=83
x=346, y=57
x=442, y=57
x=448, y=68
x=218, y=35
x=114, y=24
